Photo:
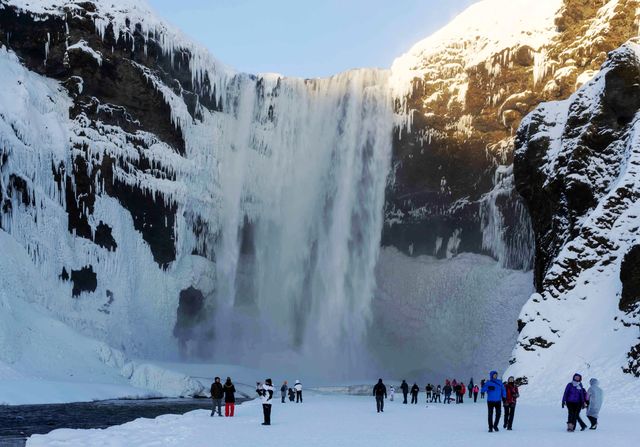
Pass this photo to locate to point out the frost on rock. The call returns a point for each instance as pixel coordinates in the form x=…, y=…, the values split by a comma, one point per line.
x=459, y=97
x=578, y=168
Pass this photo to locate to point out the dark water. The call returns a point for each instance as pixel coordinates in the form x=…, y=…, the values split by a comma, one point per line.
x=18, y=422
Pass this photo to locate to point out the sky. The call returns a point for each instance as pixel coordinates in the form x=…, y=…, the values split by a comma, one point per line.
x=308, y=38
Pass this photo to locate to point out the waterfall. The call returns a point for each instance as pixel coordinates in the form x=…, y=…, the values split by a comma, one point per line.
x=302, y=168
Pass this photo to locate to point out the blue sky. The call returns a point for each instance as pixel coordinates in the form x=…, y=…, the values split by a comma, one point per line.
x=308, y=38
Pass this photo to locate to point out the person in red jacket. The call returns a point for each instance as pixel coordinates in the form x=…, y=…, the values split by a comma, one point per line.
x=510, y=402
x=476, y=390
x=463, y=391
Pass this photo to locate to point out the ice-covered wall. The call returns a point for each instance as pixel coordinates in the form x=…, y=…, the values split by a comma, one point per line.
x=265, y=198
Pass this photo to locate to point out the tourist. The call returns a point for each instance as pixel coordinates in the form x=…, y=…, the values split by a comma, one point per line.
x=298, y=387
x=415, y=389
x=510, y=402
x=265, y=391
x=482, y=382
x=470, y=388
x=217, y=393
x=292, y=395
x=476, y=390
x=447, y=392
x=463, y=391
x=392, y=392
x=575, y=398
x=495, y=393
x=405, y=390
x=429, y=391
x=437, y=394
x=596, y=396
x=283, y=390
x=380, y=393
x=229, y=398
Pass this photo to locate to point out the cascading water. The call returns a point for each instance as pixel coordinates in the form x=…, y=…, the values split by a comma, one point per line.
x=302, y=168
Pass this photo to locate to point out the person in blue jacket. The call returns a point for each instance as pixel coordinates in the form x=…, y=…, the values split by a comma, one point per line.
x=496, y=393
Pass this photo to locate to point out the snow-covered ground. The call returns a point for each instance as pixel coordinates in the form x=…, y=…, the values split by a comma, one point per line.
x=334, y=420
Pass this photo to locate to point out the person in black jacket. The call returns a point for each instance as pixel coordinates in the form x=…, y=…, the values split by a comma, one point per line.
x=405, y=390
x=470, y=388
x=229, y=398
x=292, y=395
x=415, y=389
x=216, y=396
x=380, y=392
x=283, y=390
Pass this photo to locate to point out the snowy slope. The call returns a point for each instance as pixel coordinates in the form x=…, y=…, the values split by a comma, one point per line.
x=577, y=166
x=482, y=31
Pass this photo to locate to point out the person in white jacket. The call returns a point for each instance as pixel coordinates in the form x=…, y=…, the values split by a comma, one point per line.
x=596, y=396
x=265, y=391
x=392, y=392
x=298, y=388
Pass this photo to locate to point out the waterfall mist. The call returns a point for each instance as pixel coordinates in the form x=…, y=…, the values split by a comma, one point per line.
x=302, y=168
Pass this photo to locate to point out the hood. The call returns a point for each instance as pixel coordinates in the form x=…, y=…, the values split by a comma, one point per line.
x=297, y=382
x=577, y=374
x=491, y=374
x=594, y=382
x=379, y=381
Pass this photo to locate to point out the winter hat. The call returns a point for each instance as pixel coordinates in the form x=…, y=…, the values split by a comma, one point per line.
x=593, y=381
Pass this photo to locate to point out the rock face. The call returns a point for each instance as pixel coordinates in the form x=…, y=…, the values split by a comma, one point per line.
x=577, y=166
x=470, y=86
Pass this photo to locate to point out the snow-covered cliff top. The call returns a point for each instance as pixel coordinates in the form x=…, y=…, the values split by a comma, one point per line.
x=482, y=30
x=124, y=15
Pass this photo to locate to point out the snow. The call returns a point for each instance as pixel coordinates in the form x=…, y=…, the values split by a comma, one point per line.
x=82, y=45
x=324, y=420
x=582, y=319
x=483, y=30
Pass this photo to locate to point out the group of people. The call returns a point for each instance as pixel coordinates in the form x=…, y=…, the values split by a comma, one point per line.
x=498, y=394
x=226, y=392
x=575, y=398
x=294, y=392
x=264, y=391
x=501, y=395
x=434, y=393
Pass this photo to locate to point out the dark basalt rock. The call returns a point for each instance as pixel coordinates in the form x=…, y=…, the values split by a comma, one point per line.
x=189, y=315
x=630, y=278
x=558, y=204
x=64, y=276
x=633, y=365
x=536, y=342
x=84, y=280
x=104, y=238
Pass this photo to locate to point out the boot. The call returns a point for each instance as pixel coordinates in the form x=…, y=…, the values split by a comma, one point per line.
x=570, y=427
